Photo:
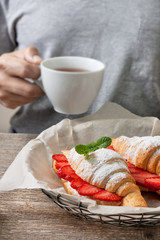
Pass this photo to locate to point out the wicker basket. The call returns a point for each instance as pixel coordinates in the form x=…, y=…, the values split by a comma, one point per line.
x=79, y=209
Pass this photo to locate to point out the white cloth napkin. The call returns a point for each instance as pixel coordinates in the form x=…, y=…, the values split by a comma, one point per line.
x=32, y=168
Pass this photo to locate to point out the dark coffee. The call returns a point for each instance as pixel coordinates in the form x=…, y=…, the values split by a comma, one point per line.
x=71, y=70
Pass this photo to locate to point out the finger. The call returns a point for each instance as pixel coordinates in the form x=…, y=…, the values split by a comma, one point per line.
x=19, y=67
x=31, y=54
x=17, y=53
x=20, y=87
x=12, y=101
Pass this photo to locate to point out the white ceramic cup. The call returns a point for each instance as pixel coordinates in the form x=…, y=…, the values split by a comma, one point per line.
x=71, y=92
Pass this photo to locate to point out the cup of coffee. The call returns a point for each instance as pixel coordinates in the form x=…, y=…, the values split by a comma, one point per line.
x=71, y=83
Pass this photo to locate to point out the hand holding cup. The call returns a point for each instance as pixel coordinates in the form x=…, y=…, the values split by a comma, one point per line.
x=71, y=83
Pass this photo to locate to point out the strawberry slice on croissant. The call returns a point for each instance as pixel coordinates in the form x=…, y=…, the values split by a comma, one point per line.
x=63, y=169
x=143, y=159
x=103, y=176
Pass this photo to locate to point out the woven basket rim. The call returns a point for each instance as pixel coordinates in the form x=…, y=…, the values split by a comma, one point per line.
x=80, y=209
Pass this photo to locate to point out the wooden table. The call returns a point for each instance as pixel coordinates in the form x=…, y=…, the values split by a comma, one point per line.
x=30, y=214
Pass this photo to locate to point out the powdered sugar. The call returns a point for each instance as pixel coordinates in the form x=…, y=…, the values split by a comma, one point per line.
x=114, y=179
x=102, y=174
x=136, y=144
x=157, y=152
x=98, y=166
x=145, y=142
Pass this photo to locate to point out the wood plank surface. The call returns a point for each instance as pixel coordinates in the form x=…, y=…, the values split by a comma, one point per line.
x=30, y=214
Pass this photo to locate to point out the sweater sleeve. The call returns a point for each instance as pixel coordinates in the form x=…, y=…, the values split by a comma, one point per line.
x=6, y=45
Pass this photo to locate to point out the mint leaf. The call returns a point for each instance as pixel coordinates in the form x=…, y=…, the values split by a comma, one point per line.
x=92, y=146
x=102, y=142
x=82, y=149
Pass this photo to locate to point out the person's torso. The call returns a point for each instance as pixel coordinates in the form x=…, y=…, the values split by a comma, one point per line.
x=123, y=34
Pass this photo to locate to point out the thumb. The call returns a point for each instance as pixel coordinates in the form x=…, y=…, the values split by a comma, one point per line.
x=31, y=55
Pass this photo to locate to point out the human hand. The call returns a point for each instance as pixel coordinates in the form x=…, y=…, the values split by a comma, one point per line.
x=14, y=68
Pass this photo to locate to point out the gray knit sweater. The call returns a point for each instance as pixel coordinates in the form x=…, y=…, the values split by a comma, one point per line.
x=124, y=34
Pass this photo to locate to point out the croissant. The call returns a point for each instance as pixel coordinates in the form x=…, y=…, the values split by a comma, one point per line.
x=142, y=153
x=106, y=171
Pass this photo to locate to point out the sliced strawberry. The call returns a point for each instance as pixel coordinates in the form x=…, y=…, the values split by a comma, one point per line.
x=135, y=170
x=88, y=190
x=153, y=183
x=104, y=195
x=60, y=173
x=68, y=178
x=132, y=168
x=74, y=176
x=130, y=165
x=77, y=183
x=110, y=147
x=71, y=177
x=59, y=157
x=61, y=164
x=141, y=177
x=65, y=172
